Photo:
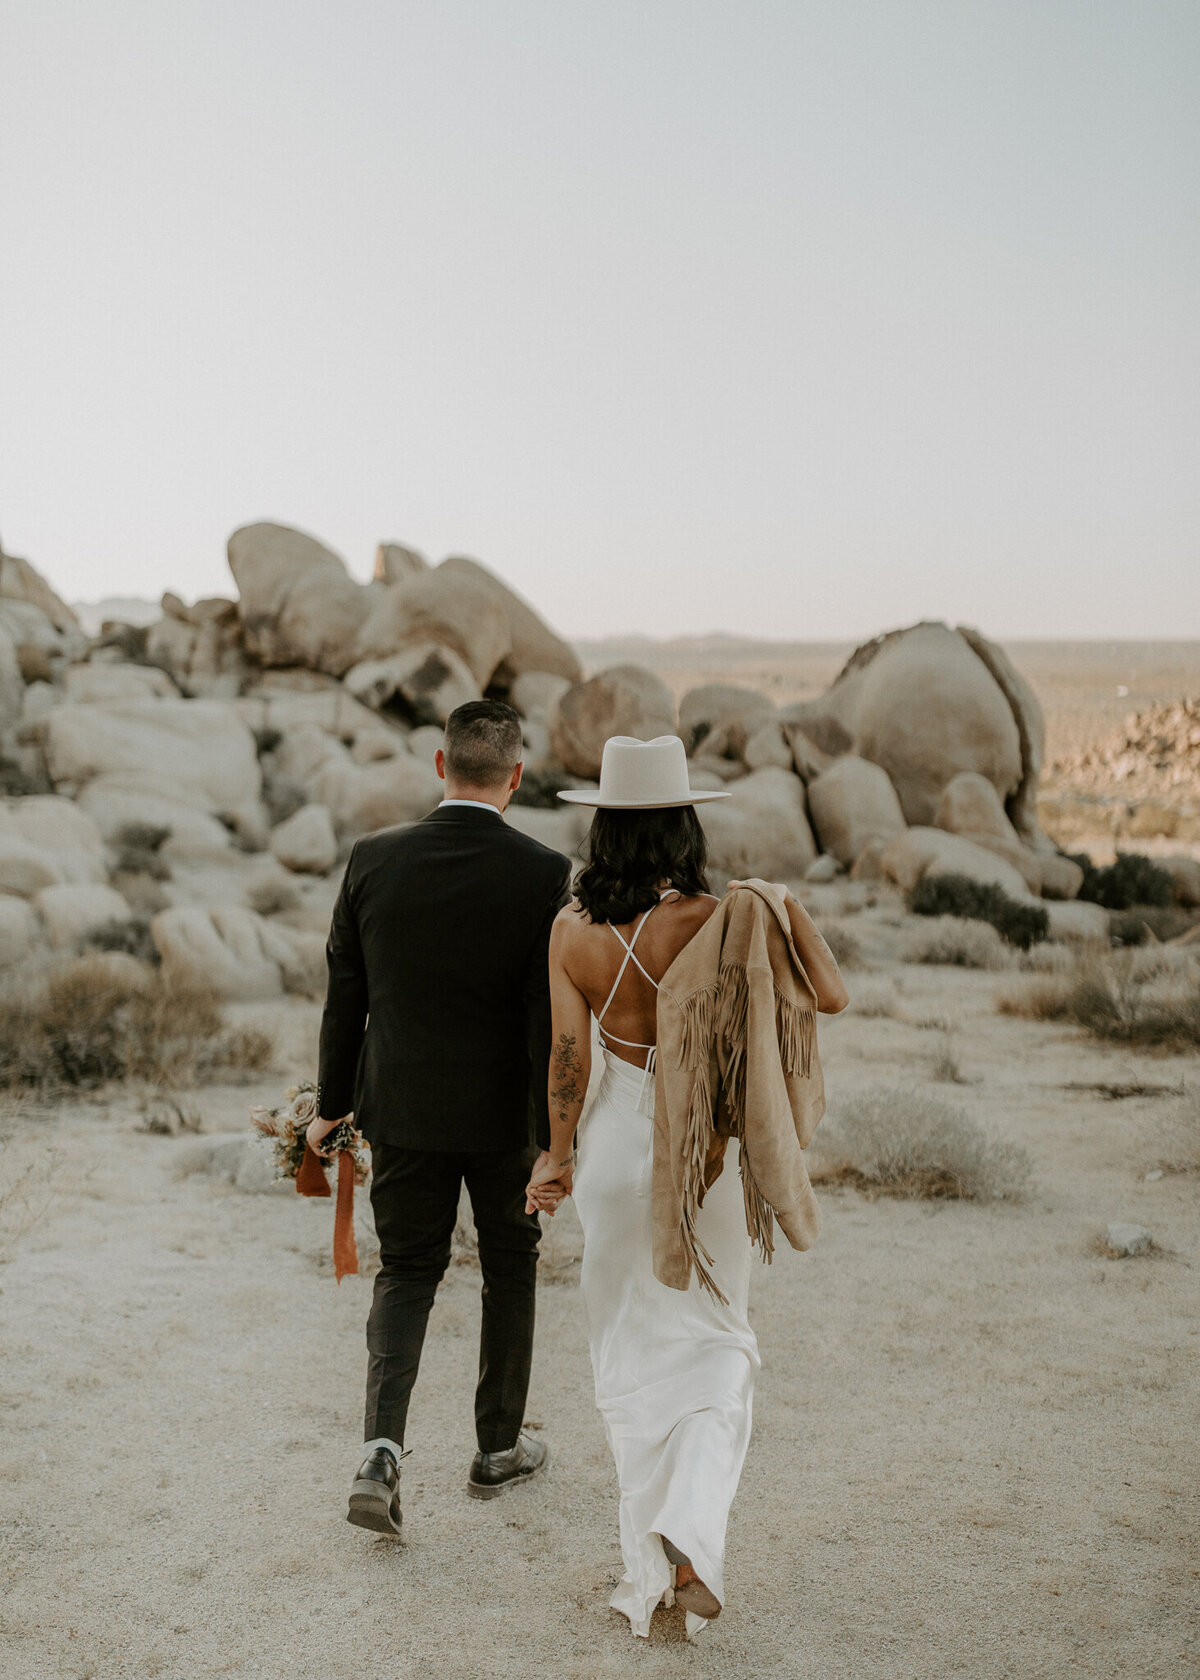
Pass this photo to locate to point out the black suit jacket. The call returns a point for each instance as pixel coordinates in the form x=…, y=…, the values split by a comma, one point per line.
x=436, y=1031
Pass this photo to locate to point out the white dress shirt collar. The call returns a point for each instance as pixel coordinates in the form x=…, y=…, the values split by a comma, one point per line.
x=475, y=805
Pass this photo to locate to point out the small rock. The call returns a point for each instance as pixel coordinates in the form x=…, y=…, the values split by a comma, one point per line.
x=1126, y=1240
x=1153, y=1177
x=306, y=843
x=822, y=869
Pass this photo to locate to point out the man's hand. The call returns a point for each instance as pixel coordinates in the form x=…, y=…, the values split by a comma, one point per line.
x=549, y=1182
x=318, y=1130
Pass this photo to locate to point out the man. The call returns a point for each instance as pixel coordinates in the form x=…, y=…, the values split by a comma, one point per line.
x=436, y=1034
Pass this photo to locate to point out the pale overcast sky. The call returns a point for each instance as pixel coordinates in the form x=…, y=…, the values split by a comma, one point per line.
x=801, y=318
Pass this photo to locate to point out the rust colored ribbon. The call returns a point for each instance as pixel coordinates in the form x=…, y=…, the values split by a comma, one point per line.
x=311, y=1181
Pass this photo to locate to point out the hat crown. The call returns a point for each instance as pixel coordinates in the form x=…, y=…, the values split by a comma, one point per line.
x=637, y=772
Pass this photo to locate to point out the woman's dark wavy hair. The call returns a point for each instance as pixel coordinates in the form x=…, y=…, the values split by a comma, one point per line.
x=629, y=853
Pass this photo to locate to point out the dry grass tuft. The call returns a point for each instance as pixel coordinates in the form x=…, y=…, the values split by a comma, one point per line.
x=1049, y=958
x=894, y=1141
x=107, y=1017
x=956, y=942
x=876, y=1002
x=946, y=1066
x=843, y=942
x=1148, y=998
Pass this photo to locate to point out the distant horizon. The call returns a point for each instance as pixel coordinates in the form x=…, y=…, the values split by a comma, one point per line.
x=793, y=319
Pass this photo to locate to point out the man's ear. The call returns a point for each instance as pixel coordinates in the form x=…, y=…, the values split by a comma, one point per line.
x=516, y=776
x=439, y=763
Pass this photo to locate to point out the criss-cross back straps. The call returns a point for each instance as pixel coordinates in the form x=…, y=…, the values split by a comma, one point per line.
x=630, y=957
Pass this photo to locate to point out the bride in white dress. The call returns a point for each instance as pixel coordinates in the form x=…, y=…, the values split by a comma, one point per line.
x=674, y=1369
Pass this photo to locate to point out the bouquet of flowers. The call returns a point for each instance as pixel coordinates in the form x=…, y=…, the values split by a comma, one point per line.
x=286, y=1126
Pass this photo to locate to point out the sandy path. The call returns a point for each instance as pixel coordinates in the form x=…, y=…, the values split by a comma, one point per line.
x=974, y=1451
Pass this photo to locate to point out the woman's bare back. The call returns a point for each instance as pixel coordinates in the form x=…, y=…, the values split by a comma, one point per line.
x=592, y=957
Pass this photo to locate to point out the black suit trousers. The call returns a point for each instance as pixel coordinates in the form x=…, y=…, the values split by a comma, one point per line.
x=414, y=1196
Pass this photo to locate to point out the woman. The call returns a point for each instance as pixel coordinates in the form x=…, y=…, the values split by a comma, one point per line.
x=674, y=1369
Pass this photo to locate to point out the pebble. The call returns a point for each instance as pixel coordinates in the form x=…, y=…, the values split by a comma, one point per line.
x=1125, y=1240
x=1153, y=1177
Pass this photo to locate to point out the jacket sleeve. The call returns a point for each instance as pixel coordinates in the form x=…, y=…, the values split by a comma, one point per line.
x=537, y=1011
x=345, y=1016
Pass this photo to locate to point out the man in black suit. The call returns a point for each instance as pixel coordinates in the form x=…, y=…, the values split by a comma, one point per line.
x=436, y=1035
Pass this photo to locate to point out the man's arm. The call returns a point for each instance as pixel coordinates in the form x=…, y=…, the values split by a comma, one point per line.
x=537, y=1009
x=345, y=1016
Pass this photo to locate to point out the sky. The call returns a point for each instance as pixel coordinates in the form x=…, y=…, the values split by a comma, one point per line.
x=787, y=318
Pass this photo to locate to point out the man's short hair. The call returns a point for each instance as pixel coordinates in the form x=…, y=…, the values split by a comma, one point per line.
x=483, y=743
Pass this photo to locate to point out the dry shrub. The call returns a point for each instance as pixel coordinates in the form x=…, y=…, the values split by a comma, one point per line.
x=843, y=942
x=105, y=1017
x=1146, y=998
x=959, y=943
x=132, y=936
x=272, y=897
x=892, y=1140
x=946, y=1067
x=1020, y=924
x=137, y=848
x=1049, y=958
x=875, y=1002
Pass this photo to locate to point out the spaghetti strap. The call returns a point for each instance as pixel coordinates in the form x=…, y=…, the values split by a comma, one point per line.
x=631, y=957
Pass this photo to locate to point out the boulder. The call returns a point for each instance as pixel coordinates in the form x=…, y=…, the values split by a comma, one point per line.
x=623, y=700
x=87, y=684
x=20, y=930
x=762, y=830
x=822, y=870
x=41, y=647
x=19, y=581
x=12, y=682
x=395, y=564
x=443, y=608
x=1060, y=877
x=297, y=603
x=424, y=743
x=201, y=647
x=923, y=704
x=235, y=952
x=270, y=711
x=768, y=746
x=720, y=718
x=971, y=805
x=851, y=802
x=1123, y=1240
x=114, y=804
x=198, y=752
x=1031, y=731
x=370, y=745
x=423, y=684
x=909, y=857
x=359, y=797
x=535, y=694
x=533, y=646
x=562, y=831
x=44, y=841
x=72, y=911
x=306, y=843
x=1078, y=921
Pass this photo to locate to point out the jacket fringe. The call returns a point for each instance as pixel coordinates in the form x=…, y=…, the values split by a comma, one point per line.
x=695, y=1153
x=760, y=1221
x=796, y=1030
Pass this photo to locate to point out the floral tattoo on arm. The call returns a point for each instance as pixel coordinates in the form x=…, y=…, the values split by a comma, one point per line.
x=566, y=1091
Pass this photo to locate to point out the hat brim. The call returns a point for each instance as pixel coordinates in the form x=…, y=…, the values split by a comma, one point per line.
x=592, y=796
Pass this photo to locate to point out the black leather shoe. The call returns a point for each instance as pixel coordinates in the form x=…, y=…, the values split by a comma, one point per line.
x=375, y=1496
x=491, y=1473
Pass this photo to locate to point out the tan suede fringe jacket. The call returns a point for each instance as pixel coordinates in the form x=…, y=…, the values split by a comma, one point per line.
x=737, y=1057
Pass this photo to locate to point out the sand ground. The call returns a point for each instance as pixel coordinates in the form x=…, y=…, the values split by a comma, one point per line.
x=975, y=1446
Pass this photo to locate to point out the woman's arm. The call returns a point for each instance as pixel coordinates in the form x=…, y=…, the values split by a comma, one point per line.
x=570, y=1070
x=819, y=962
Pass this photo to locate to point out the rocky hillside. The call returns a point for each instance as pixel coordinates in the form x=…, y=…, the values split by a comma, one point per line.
x=188, y=789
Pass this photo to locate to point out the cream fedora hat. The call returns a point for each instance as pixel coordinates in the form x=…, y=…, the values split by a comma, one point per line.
x=642, y=776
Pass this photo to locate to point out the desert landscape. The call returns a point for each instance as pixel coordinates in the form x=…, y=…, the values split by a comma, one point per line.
x=975, y=1447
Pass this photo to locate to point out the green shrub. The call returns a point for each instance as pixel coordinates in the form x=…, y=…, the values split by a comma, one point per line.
x=137, y=847
x=1021, y=925
x=1131, y=879
x=132, y=936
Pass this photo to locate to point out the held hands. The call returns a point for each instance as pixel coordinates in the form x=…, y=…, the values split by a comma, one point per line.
x=549, y=1182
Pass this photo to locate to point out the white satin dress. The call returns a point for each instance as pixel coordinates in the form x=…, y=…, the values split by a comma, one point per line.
x=674, y=1369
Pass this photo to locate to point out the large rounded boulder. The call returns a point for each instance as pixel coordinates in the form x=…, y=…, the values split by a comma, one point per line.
x=298, y=604
x=852, y=803
x=623, y=700
x=923, y=705
x=444, y=608
x=762, y=829
x=719, y=719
